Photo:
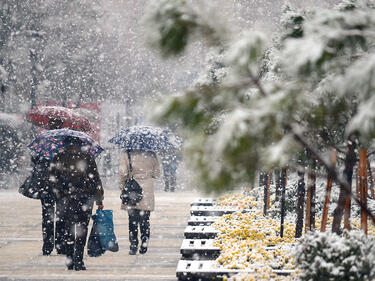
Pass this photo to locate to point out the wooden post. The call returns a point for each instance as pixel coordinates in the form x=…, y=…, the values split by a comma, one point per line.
x=328, y=194
x=363, y=186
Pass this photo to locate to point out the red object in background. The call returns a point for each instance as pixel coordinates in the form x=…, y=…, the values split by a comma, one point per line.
x=43, y=115
x=87, y=107
x=91, y=110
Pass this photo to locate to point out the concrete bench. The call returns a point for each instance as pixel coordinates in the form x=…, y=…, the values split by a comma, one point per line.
x=199, y=249
x=202, y=220
x=209, y=270
x=200, y=232
x=211, y=211
x=203, y=202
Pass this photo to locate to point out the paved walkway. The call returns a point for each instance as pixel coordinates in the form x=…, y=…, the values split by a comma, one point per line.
x=20, y=242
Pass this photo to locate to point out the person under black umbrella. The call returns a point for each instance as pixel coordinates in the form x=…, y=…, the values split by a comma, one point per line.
x=140, y=145
x=52, y=237
x=144, y=169
x=75, y=176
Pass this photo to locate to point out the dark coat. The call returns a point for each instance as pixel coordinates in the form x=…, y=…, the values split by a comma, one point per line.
x=75, y=175
x=41, y=177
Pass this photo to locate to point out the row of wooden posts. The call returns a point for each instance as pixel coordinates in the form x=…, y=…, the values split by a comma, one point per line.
x=363, y=178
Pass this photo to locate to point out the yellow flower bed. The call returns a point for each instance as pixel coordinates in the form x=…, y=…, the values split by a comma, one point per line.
x=238, y=201
x=244, y=238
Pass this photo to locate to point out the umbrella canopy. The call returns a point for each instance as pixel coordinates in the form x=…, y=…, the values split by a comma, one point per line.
x=48, y=116
x=145, y=138
x=53, y=142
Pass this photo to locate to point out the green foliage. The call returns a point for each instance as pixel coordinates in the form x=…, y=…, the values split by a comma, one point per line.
x=174, y=36
x=243, y=122
x=186, y=108
x=292, y=22
x=170, y=24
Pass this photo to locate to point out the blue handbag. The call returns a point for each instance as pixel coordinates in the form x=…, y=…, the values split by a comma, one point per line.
x=94, y=247
x=105, y=230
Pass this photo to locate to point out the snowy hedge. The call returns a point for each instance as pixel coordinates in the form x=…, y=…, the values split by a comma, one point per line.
x=329, y=257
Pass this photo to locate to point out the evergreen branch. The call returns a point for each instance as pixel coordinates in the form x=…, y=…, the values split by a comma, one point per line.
x=332, y=171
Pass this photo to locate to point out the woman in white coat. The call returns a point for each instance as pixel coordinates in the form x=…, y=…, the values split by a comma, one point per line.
x=145, y=169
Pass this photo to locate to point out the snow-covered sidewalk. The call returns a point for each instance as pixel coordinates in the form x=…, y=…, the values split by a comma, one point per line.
x=21, y=241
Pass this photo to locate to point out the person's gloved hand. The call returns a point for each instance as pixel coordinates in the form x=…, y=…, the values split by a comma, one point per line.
x=100, y=207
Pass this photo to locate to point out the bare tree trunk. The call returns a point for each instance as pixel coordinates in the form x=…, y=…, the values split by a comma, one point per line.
x=363, y=185
x=348, y=205
x=357, y=188
x=283, y=186
x=2, y=101
x=350, y=160
x=328, y=194
x=277, y=184
x=267, y=194
x=310, y=202
x=263, y=179
x=300, y=203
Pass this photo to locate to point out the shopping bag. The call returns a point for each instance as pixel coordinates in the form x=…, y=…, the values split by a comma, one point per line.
x=94, y=247
x=104, y=220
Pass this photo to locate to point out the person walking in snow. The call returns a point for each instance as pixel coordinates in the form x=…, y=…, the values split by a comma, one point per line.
x=75, y=176
x=170, y=163
x=145, y=168
x=53, y=236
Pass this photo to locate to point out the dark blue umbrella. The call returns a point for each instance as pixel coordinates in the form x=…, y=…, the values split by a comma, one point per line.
x=146, y=138
x=52, y=142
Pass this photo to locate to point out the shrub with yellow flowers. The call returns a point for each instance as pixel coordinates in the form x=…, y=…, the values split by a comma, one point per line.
x=238, y=201
x=263, y=273
x=248, y=240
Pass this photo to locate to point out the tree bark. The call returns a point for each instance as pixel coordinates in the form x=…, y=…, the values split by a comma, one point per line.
x=277, y=184
x=268, y=192
x=263, y=179
x=363, y=185
x=313, y=199
x=328, y=194
x=310, y=202
x=283, y=186
x=357, y=188
x=350, y=160
x=300, y=203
